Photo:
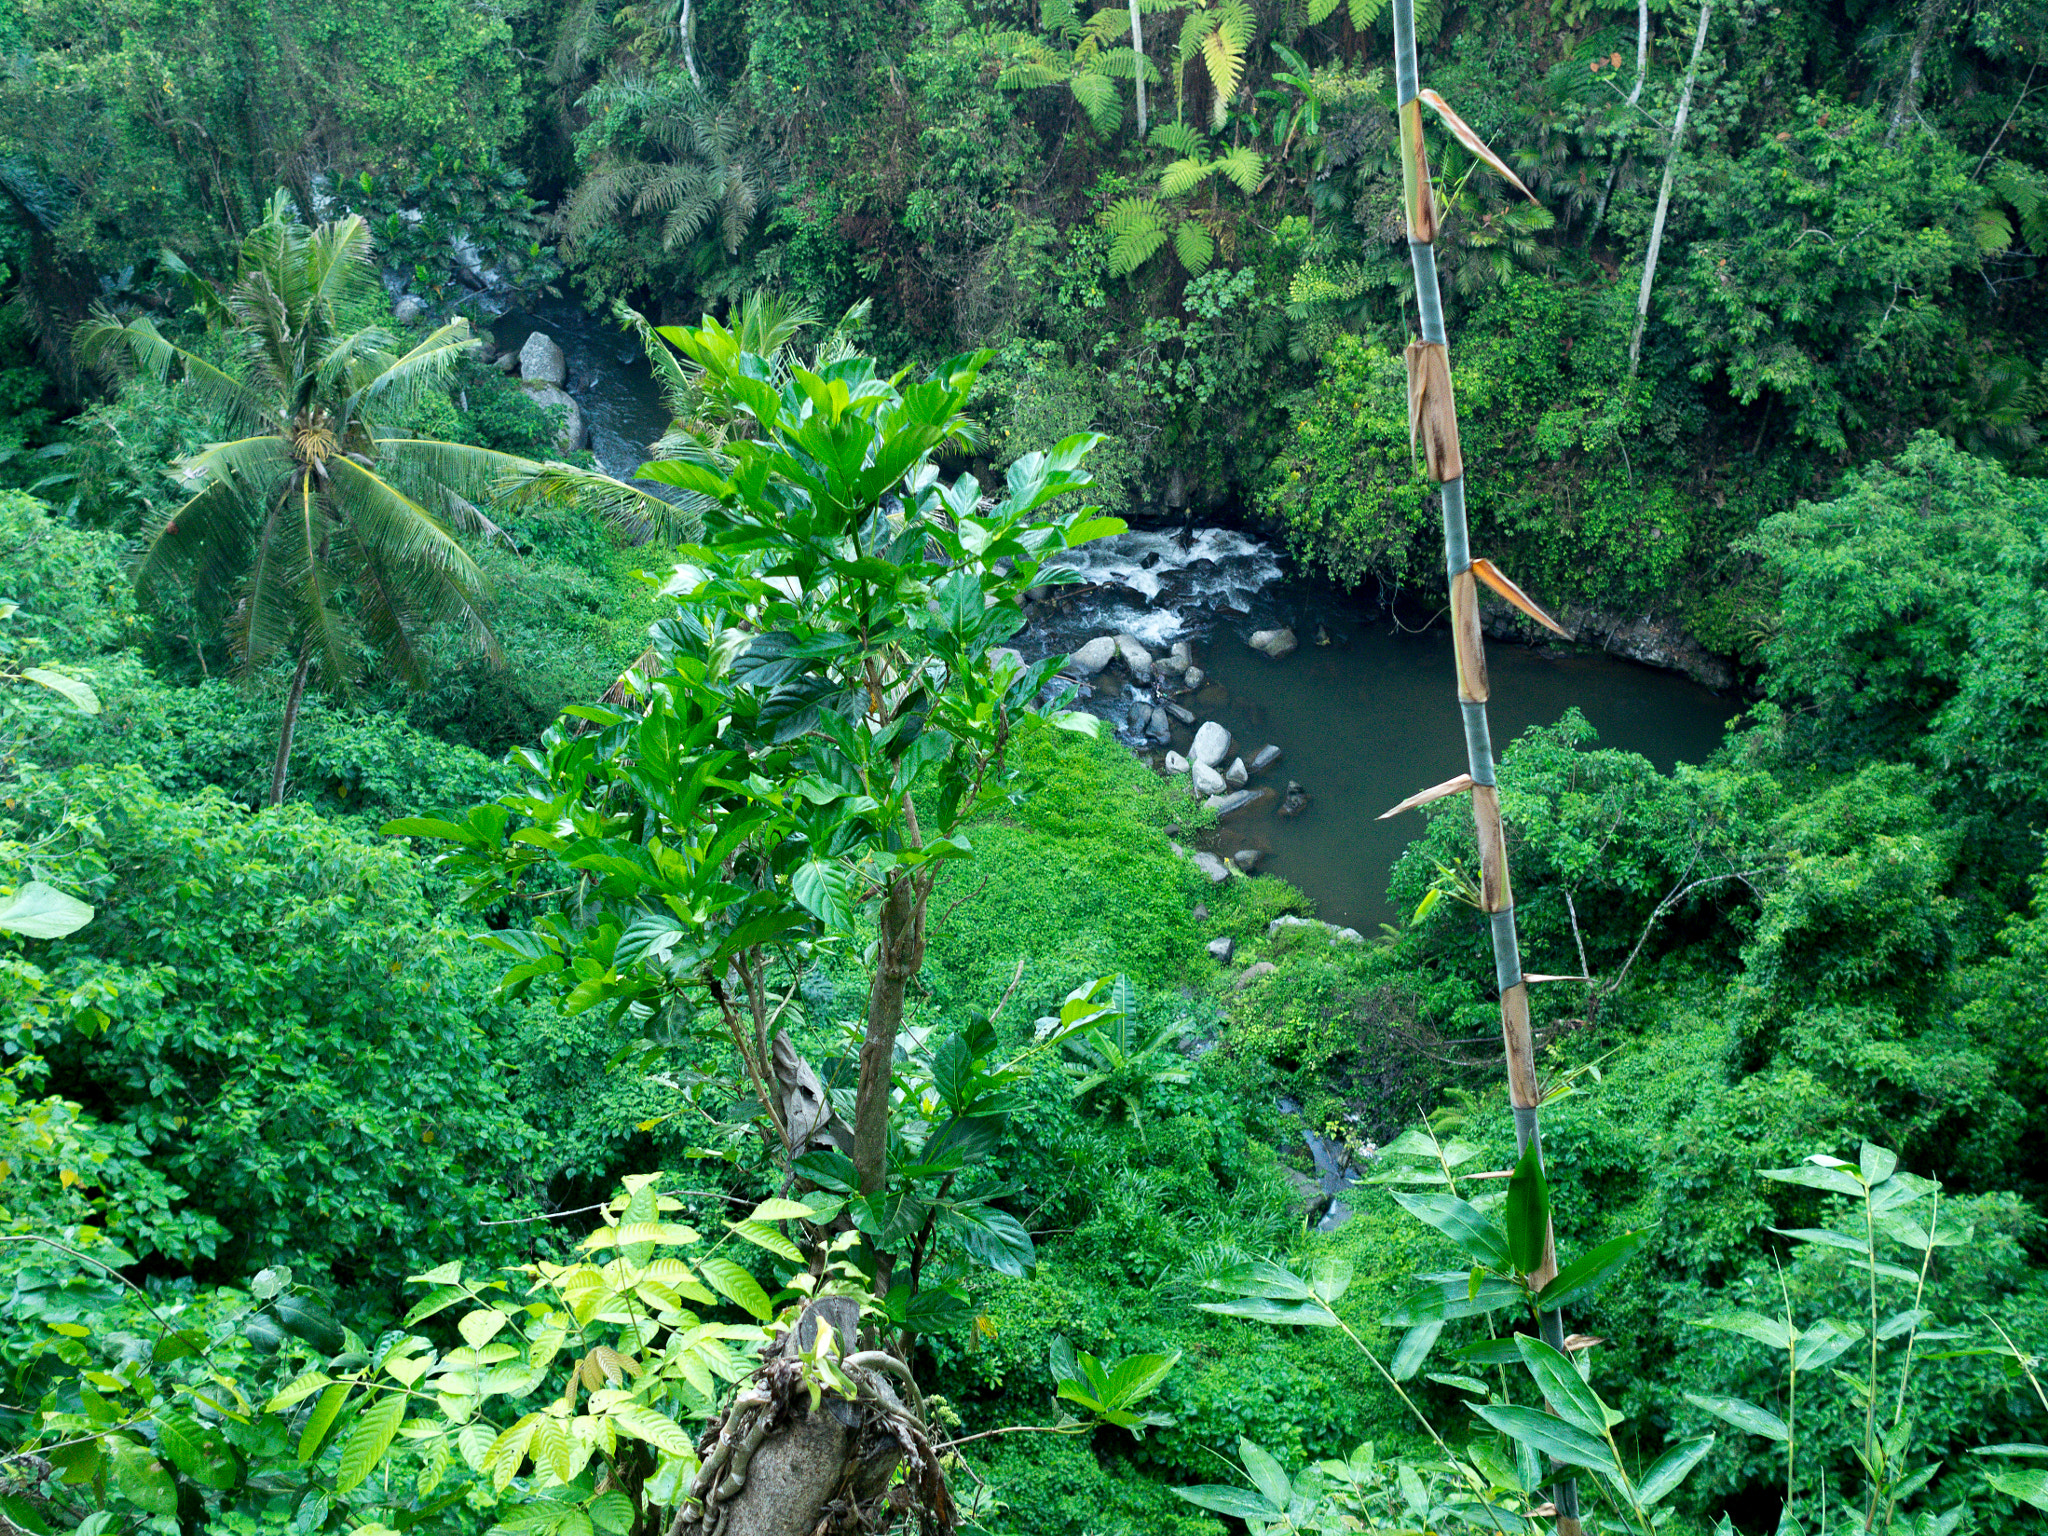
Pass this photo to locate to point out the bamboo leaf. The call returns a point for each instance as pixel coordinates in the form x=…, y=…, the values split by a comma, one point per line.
x=1551, y=1436
x=1589, y=1271
x=1492, y=575
x=1414, y=1348
x=1744, y=1416
x=1462, y=131
x=1670, y=1469
x=1563, y=1390
x=1528, y=1211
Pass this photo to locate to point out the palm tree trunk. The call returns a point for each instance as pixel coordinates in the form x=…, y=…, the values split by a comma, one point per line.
x=1635, y=340
x=291, y=726
x=1138, y=48
x=1433, y=410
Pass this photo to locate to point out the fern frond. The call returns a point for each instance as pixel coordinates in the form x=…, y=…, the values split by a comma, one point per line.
x=1136, y=230
x=1059, y=16
x=1123, y=64
x=1101, y=100
x=1195, y=247
x=1243, y=168
x=1178, y=137
x=1183, y=176
x=1365, y=12
x=1030, y=74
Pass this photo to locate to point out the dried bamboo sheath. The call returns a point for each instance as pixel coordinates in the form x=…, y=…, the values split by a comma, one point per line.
x=1433, y=419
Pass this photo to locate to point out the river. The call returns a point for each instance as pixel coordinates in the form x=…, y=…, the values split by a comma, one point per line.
x=1364, y=713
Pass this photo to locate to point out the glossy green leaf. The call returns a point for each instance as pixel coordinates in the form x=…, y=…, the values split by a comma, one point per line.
x=374, y=1430
x=1527, y=1211
x=1743, y=1415
x=1589, y=1271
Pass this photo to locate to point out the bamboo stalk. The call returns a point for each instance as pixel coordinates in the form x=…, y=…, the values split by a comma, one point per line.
x=1433, y=416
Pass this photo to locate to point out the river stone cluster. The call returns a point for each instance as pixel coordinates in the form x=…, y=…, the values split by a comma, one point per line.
x=1218, y=772
x=542, y=372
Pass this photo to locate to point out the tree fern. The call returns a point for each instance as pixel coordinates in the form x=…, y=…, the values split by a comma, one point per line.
x=1100, y=99
x=1179, y=138
x=2026, y=192
x=1183, y=176
x=1242, y=167
x=1194, y=245
x=1363, y=13
x=1137, y=228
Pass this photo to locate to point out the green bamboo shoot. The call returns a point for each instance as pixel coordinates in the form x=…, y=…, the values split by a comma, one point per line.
x=1433, y=419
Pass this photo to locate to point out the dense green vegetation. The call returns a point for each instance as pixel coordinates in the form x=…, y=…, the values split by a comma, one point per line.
x=331, y=1093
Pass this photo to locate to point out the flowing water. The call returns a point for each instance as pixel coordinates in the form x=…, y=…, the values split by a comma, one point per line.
x=608, y=377
x=1362, y=721
x=1364, y=712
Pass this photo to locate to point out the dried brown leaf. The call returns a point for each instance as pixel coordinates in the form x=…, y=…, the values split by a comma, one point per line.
x=1465, y=136
x=1455, y=786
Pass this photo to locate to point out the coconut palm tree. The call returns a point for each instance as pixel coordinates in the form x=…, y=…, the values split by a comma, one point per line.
x=308, y=533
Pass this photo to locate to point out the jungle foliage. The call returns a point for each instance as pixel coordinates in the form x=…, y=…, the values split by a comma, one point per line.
x=328, y=1164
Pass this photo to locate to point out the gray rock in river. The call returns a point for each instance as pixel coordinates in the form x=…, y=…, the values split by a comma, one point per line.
x=1093, y=657
x=1275, y=643
x=508, y=362
x=409, y=310
x=1212, y=745
x=1136, y=657
x=572, y=434
x=541, y=359
x=1003, y=658
x=1265, y=758
x=1207, y=780
x=1235, y=774
x=1247, y=859
x=1295, y=801
x=1213, y=867
x=1235, y=801
x=1184, y=716
x=1180, y=658
x=1221, y=949
x=1193, y=677
x=1176, y=764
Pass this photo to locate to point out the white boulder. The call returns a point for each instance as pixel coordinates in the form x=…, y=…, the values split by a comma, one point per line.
x=1274, y=642
x=1235, y=774
x=1176, y=764
x=1212, y=744
x=1094, y=656
x=1207, y=780
x=541, y=359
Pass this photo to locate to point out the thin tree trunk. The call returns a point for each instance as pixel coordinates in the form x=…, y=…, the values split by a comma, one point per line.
x=1138, y=48
x=899, y=955
x=686, y=26
x=291, y=726
x=1692, y=71
x=1433, y=410
x=1916, y=64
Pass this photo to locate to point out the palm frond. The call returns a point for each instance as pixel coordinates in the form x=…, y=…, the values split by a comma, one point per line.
x=402, y=380
x=1183, y=176
x=1136, y=228
x=1242, y=168
x=108, y=343
x=635, y=513
x=338, y=264
x=418, y=465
